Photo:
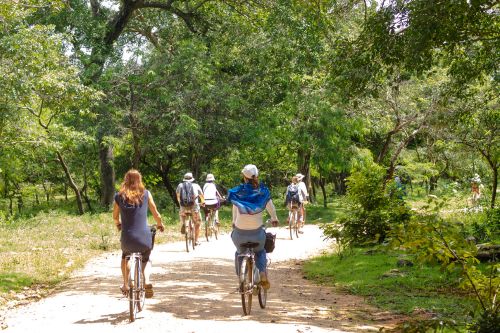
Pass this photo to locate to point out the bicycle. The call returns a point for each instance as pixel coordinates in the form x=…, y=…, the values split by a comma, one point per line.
x=211, y=228
x=136, y=287
x=190, y=231
x=249, y=278
x=293, y=220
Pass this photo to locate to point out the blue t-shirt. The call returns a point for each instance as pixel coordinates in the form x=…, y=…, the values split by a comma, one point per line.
x=136, y=235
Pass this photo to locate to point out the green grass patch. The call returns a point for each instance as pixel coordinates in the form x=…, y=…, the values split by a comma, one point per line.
x=14, y=281
x=400, y=289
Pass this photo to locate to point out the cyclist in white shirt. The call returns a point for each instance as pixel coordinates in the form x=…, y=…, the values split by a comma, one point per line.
x=303, y=197
x=212, y=197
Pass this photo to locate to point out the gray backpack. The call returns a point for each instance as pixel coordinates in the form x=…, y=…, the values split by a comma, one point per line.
x=187, y=195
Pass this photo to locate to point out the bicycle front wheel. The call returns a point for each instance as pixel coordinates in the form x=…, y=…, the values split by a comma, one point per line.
x=246, y=285
x=262, y=297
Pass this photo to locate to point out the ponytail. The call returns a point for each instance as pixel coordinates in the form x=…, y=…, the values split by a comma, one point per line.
x=255, y=182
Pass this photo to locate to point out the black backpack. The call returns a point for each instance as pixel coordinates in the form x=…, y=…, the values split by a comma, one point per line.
x=187, y=195
x=293, y=194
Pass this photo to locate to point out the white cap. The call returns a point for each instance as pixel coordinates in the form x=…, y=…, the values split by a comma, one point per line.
x=299, y=176
x=210, y=177
x=249, y=171
x=188, y=177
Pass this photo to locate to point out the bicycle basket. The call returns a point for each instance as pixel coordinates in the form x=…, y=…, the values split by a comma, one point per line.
x=270, y=242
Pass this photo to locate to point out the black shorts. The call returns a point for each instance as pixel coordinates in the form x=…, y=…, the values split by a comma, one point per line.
x=145, y=255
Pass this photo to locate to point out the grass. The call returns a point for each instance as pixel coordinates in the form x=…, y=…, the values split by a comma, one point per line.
x=45, y=249
x=400, y=289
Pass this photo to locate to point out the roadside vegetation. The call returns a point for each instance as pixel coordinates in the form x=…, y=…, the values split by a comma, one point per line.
x=390, y=109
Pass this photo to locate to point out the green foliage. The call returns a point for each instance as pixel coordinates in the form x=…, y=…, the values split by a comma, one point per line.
x=412, y=290
x=445, y=241
x=374, y=208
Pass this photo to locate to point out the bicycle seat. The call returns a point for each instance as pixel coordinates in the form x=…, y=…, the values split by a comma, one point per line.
x=249, y=245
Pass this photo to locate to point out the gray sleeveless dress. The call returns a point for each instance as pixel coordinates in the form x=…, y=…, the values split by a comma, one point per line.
x=136, y=235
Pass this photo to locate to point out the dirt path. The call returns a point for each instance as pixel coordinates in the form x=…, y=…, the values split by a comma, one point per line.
x=196, y=292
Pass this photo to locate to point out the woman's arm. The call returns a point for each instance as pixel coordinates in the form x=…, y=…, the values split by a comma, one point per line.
x=154, y=211
x=116, y=216
x=272, y=211
x=235, y=212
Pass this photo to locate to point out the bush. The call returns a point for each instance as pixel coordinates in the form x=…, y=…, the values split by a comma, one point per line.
x=373, y=207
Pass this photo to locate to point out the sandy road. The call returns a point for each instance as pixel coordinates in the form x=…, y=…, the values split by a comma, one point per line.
x=196, y=292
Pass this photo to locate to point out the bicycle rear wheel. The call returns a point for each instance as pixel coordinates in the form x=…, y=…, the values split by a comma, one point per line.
x=207, y=228
x=246, y=278
x=216, y=230
x=296, y=225
x=191, y=234
x=131, y=290
x=186, y=237
x=139, y=286
x=291, y=222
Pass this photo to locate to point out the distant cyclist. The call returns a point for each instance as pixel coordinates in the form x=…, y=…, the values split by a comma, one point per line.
x=249, y=200
x=303, y=197
x=130, y=213
x=292, y=197
x=212, y=197
x=476, y=185
x=188, y=194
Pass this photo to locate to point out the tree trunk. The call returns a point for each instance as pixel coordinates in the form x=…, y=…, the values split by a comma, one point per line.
x=322, y=185
x=11, y=212
x=385, y=147
x=170, y=188
x=134, y=126
x=20, y=203
x=84, y=189
x=71, y=183
x=304, y=161
x=433, y=183
x=339, y=183
x=494, y=187
x=47, y=192
x=107, y=175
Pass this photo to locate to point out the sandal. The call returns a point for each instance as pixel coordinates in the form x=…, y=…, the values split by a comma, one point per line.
x=149, y=290
x=124, y=290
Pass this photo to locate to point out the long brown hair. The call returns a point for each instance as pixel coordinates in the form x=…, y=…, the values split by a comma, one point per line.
x=254, y=181
x=132, y=188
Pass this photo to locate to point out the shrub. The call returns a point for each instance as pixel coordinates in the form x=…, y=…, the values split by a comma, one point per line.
x=373, y=207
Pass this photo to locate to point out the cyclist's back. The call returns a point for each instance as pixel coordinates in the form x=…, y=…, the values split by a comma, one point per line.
x=136, y=235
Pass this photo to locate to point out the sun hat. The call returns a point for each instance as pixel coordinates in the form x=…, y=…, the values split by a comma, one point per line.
x=299, y=176
x=249, y=171
x=188, y=177
x=210, y=177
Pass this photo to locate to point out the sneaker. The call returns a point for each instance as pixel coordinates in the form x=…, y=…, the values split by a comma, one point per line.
x=183, y=229
x=264, y=282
